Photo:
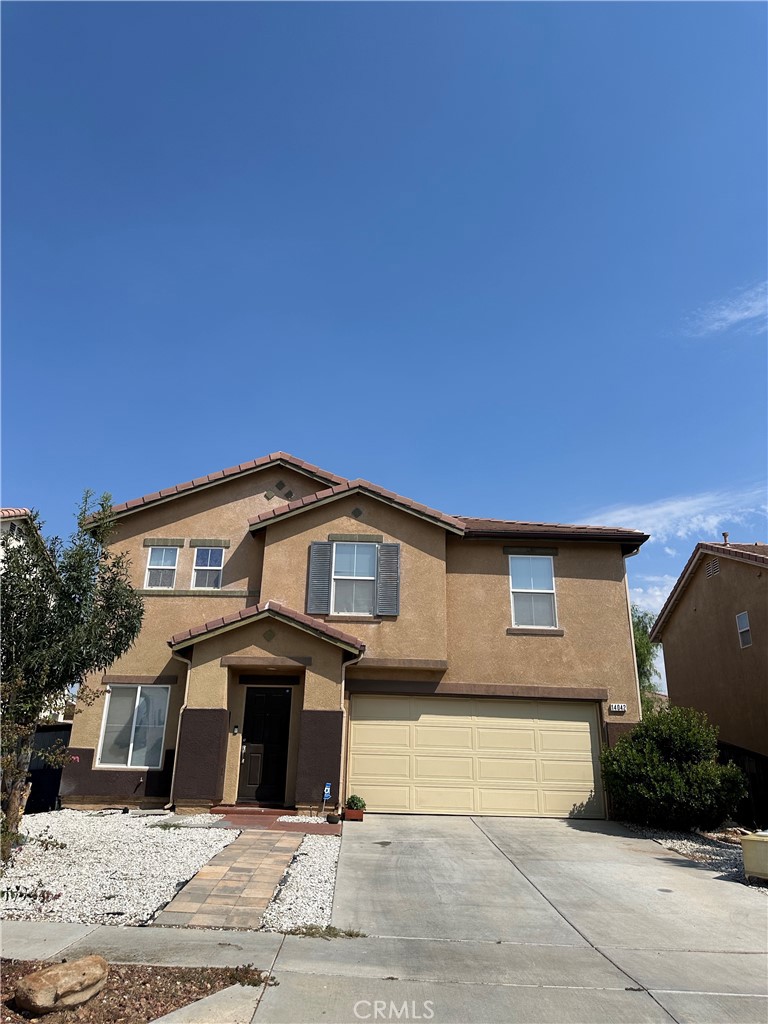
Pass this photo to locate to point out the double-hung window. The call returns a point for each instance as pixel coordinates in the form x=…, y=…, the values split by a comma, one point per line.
x=208, y=567
x=745, y=633
x=532, y=583
x=161, y=568
x=134, y=727
x=354, y=577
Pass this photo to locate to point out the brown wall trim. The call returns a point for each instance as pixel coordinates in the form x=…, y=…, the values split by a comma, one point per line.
x=614, y=730
x=273, y=679
x=357, y=538
x=163, y=542
x=319, y=756
x=243, y=661
x=157, y=592
x=510, y=549
x=410, y=664
x=533, y=631
x=414, y=687
x=207, y=542
x=141, y=680
x=201, y=755
x=81, y=780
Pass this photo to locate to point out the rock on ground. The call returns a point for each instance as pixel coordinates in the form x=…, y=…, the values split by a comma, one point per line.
x=62, y=985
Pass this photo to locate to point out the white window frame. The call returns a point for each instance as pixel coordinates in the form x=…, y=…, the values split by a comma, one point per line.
x=553, y=592
x=132, y=767
x=358, y=615
x=161, y=547
x=742, y=630
x=206, y=568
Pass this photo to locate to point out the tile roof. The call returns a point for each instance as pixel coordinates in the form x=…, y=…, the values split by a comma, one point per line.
x=267, y=608
x=14, y=513
x=357, y=487
x=274, y=459
x=756, y=553
x=516, y=528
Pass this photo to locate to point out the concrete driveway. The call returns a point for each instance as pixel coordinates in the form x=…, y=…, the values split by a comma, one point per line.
x=512, y=919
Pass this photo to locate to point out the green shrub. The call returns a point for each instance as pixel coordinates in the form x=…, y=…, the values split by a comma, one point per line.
x=665, y=773
x=356, y=803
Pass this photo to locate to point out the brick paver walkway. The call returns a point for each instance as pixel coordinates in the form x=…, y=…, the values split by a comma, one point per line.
x=233, y=888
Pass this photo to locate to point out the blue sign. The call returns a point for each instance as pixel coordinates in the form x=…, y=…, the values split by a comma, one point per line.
x=327, y=791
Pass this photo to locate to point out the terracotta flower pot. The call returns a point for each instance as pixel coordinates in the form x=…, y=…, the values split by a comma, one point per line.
x=350, y=815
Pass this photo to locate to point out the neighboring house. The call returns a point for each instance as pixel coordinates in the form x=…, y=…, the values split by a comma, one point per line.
x=11, y=520
x=303, y=629
x=714, y=629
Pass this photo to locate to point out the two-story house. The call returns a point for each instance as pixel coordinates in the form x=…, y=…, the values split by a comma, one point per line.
x=303, y=629
x=714, y=629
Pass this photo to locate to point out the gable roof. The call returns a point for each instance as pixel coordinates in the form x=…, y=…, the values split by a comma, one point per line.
x=269, y=609
x=755, y=553
x=356, y=487
x=212, y=479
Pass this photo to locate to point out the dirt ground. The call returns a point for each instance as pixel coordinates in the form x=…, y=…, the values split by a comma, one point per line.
x=134, y=993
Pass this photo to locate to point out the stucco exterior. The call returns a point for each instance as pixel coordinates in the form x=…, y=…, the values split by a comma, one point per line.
x=452, y=634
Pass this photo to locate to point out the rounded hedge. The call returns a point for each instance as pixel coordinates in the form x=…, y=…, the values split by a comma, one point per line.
x=665, y=773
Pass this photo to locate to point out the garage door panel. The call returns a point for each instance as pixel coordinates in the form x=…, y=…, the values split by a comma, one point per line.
x=442, y=736
x=380, y=734
x=459, y=769
x=510, y=757
x=508, y=769
x=524, y=802
x=433, y=800
x=380, y=766
x=505, y=739
x=566, y=771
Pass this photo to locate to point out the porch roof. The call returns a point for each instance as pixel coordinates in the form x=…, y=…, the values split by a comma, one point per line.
x=268, y=609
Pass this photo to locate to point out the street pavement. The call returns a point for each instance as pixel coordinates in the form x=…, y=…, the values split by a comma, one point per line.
x=478, y=921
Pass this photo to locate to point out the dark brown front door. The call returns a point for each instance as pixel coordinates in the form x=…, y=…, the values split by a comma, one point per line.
x=264, y=760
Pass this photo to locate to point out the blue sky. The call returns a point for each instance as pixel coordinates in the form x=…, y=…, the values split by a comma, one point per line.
x=507, y=259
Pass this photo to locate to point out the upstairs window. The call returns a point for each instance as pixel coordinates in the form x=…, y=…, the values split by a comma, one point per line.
x=161, y=568
x=745, y=633
x=532, y=585
x=354, y=577
x=134, y=727
x=208, y=567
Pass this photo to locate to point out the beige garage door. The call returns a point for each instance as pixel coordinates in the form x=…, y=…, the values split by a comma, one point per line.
x=460, y=755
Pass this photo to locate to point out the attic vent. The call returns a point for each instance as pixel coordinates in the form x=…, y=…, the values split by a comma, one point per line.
x=713, y=568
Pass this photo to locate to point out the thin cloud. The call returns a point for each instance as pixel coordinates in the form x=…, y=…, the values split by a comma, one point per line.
x=670, y=551
x=653, y=594
x=745, y=310
x=696, y=515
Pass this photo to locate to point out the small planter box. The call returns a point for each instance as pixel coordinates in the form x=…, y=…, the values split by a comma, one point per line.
x=350, y=815
x=755, y=849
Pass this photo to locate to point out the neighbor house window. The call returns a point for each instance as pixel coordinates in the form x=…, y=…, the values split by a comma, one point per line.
x=161, y=568
x=532, y=582
x=354, y=579
x=208, y=568
x=134, y=727
x=745, y=634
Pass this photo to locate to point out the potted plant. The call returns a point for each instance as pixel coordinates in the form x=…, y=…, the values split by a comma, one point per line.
x=354, y=809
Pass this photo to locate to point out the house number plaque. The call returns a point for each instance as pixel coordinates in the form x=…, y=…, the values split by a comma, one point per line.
x=617, y=707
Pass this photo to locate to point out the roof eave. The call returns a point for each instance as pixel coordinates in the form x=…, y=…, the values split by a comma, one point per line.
x=267, y=612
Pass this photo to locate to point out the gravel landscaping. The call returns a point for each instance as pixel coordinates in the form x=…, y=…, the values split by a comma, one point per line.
x=103, y=867
x=303, y=819
x=715, y=854
x=305, y=895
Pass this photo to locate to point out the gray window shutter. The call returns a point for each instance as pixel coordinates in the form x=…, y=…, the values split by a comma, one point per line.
x=388, y=580
x=319, y=589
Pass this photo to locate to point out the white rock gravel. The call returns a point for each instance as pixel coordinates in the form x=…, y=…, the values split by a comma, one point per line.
x=304, y=819
x=113, y=868
x=305, y=894
x=726, y=858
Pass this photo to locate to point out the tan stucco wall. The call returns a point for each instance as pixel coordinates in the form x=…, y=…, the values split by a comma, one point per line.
x=419, y=631
x=596, y=649
x=706, y=668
